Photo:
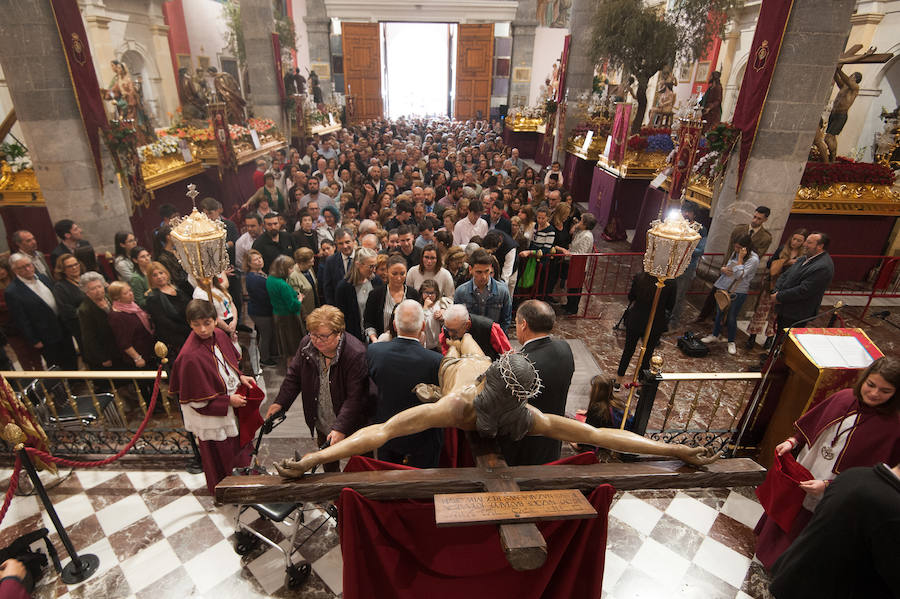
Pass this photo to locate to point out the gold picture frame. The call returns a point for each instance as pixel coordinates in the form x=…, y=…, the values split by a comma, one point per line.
x=521, y=74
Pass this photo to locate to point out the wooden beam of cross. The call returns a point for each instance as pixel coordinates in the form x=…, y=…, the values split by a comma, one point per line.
x=522, y=543
x=871, y=56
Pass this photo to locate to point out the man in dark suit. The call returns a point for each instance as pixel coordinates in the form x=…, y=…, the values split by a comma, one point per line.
x=555, y=364
x=496, y=220
x=34, y=311
x=396, y=367
x=337, y=264
x=799, y=291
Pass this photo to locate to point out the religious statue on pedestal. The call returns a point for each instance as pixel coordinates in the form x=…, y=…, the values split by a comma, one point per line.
x=491, y=398
x=128, y=103
x=848, y=90
x=711, y=103
x=193, y=97
x=228, y=91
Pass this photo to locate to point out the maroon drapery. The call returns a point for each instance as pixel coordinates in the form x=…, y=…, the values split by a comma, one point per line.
x=620, y=133
x=770, y=27
x=394, y=549
x=75, y=45
x=279, y=72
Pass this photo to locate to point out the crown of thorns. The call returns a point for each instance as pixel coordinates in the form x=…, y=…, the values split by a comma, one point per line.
x=516, y=388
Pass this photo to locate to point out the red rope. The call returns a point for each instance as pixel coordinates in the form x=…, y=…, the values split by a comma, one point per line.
x=33, y=452
x=13, y=485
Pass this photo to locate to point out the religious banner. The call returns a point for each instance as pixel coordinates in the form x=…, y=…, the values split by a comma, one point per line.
x=219, y=124
x=74, y=41
x=770, y=26
x=620, y=132
x=563, y=68
x=279, y=71
x=688, y=140
x=121, y=139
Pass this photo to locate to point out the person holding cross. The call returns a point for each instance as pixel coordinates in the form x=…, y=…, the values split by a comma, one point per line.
x=476, y=394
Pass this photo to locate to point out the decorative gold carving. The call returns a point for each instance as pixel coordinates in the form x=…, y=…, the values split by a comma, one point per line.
x=526, y=125
x=160, y=171
x=19, y=188
x=637, y=165
x=848, y=198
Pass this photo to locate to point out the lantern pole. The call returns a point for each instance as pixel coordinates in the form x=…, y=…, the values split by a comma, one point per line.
x=660, y=283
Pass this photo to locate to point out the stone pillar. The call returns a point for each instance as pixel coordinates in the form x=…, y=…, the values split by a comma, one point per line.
x=38, y=78
x=814, y=39
x=729, y=48
x=258, y=22
x=522, y=52
x=318, y=30
x=165, y=82
x=97, y=28
x=580, y=72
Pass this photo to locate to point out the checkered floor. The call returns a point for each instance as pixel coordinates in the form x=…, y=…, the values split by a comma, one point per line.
x=158, y=534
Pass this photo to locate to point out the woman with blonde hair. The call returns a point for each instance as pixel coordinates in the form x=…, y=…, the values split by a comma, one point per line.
x=527, y=221
x=166, y=305
x=131, y=327
x=286, y=306
x=353, y=291
x=455, y=263
x=449, y=218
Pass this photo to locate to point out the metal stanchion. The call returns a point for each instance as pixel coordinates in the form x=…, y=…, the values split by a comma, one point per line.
x=82, y=566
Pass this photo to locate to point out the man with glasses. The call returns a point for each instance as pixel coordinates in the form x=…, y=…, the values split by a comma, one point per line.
x=337, y=265
x=35, y=312
x=486, y=333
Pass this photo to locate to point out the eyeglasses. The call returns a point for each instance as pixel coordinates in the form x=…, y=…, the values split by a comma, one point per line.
x=325, y=337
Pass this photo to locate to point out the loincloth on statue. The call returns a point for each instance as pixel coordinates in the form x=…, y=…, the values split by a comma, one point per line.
x=836, y=122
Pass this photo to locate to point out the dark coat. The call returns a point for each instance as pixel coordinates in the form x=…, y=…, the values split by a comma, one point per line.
x=801, y=288
x=643, y=288
x=345, y=301
x=331, y=275
x=555, y=364
x=271, y=249
x=97, y=341
x=502, y=225
x=351, y=390
x=31, y=315
x=168, y=314
x=396, y=367
x=68, y=297
x=374, y=311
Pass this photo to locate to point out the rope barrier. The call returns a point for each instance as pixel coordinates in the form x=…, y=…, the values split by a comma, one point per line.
x=13, y=485
x=34, y=452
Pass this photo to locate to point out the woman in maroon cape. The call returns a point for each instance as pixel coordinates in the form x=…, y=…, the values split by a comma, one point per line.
x=859, y=426
x=205, y=377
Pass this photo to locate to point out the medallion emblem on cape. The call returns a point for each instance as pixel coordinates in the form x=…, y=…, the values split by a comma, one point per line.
x=762, y=56
x=78, y=49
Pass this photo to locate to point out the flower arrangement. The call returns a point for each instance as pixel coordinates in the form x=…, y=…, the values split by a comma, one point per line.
x=637, y=143
x=845, y=170
x=16, y=156
x=239, y=133
x=656, y=141
x=263, y=126
x=188, y=132
x=599, y=125
x=165, y=145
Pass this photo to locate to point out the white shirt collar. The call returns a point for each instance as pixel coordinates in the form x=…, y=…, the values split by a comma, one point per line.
x=535, y=339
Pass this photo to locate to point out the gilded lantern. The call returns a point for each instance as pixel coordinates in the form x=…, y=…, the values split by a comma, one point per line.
x=200, y=245
x=670, y=244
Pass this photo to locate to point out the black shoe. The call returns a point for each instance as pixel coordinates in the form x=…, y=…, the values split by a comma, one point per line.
x=751, y=341
x=768, y=343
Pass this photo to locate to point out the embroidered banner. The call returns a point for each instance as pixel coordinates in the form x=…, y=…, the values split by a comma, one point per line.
x=219, y=124
x=770, y=26
x=74, y=41
x=688, y=140
x=279, y=71
x=620, y=133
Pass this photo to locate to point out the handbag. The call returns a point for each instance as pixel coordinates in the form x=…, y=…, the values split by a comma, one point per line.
x=691, y=346
x=723, y=296
x=528, y=274
x=780, y=494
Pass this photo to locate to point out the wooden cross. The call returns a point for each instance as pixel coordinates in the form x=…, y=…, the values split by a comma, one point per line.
x=523, y=545
x=870, y=56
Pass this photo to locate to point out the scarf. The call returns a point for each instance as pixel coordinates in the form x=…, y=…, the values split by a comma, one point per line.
x=133, y=308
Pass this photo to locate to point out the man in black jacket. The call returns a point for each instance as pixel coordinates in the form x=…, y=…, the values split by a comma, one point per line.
x=273, y=242
x=396, y=367
x=799, y=291
x=336, y=266
x=555, y=364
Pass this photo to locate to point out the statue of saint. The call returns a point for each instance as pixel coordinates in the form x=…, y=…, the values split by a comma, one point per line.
x=848, y=89
x=128, y=103
x=294, y=83
x=711, y=103
x=476, y=394
x=661, y=115
x=193, y=100
x=229, y=92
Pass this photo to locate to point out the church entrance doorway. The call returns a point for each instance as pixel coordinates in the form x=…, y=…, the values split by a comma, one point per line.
x=418, y=68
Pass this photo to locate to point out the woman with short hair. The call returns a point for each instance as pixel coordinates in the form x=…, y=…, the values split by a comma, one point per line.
x=352, y=292
x=131, y=327
x=67, y=292
x=286, y=306
x=98, y=347
x=166, y=305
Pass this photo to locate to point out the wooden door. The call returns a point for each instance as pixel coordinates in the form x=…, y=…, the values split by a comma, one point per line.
x=362, y=69
x=474, y=55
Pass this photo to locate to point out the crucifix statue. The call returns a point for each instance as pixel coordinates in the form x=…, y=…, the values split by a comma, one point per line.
x=492, y=399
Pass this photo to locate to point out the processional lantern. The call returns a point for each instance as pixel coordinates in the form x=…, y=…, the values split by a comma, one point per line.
x=670, y=244
x=200, y=244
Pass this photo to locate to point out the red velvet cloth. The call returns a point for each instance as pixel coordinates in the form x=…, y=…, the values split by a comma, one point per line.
x=249, y=418
x=394, y=549
x=780, y=494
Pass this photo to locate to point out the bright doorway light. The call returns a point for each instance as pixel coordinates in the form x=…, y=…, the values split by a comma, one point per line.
x=417, y=68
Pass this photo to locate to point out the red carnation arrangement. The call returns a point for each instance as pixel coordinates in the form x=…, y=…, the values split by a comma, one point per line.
x=845, y=170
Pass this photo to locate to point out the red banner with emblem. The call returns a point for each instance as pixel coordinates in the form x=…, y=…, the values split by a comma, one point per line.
x=82, y=74
x=688, y=140
x=770, y=26
x=222, y=136
x=620, y=127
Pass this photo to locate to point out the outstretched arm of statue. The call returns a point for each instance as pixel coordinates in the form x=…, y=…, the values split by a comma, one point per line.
x=841, y=78
x=567, y=429
x=451, y=410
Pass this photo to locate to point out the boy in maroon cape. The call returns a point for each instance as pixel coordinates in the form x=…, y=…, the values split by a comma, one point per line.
x=206, y=378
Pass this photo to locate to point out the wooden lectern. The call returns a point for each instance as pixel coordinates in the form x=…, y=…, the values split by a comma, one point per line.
x=819, y=362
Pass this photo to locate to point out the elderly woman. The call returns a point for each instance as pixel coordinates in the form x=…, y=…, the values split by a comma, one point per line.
x=166, y=304
x=854, y=427
x=67, y=292
x=286, y=306
x=330, y=372
x=353, y=291
x=98, y=347
x=303, y=280
x=131, y=327
x=139, y=283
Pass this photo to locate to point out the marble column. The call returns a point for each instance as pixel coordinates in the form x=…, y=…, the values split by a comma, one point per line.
x=318, y=30
x=522, y=52
x=814, y=39
x=35, y=67
x=580, y=72
x=258, y=21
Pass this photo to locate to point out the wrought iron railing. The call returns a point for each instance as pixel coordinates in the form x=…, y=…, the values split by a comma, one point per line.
x=695, y=408
x=94, y=412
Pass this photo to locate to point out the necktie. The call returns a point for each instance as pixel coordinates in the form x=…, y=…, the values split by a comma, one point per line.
x=312, y=284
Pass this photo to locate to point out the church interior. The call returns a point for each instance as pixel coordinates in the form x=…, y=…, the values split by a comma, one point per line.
x=718, y=183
